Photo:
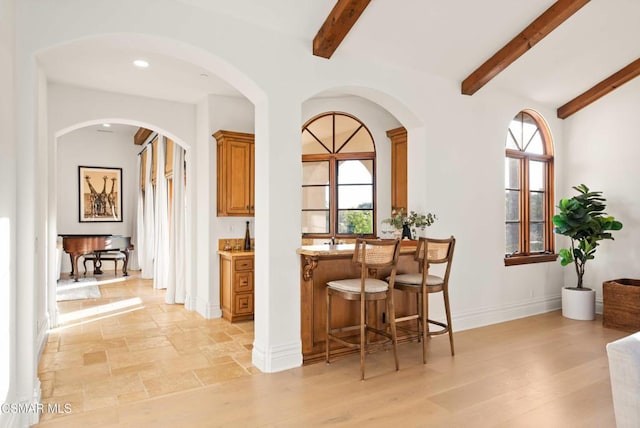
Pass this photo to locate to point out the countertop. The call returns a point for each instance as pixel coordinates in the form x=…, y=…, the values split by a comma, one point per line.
x=233, y=253
x=342, y=249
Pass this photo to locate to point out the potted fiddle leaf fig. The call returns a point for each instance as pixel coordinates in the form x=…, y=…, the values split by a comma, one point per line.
x=582, y=218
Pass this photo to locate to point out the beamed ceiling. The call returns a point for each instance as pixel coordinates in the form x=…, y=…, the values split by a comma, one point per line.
x=564, y=54
x=346, y=12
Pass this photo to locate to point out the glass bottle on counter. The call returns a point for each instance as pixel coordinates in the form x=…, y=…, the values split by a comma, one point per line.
x=247, y=239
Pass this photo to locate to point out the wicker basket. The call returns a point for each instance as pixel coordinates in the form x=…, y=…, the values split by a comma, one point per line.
x=621, y=300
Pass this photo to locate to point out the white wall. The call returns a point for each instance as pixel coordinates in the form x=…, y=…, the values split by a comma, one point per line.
x=603, y=152
x=8, y=320
x=88, y=147
x=456, y=151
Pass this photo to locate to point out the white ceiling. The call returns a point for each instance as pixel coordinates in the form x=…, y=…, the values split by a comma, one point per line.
x=447, y=38
x=107, y=64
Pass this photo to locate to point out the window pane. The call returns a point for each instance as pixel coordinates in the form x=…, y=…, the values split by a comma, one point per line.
x=361, y=142
x=515, y=128
x=311, y=146
x=315, y=173
x=511, y=237
x=345, y=127
x=535, y=145
x=529, y=128
x=512, y=205
x=355, y=196
x=315, y=221
x=355, y=172
x=322, y=128
x=355, y=221
x=536, y=206
x=536, y=237
x=536, y=175
x=511, y=143
x=512, y=173
x=316, y=197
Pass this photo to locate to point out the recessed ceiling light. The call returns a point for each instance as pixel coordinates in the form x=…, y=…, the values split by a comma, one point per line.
x=204, y=75
x=141, y=63
x=106, y=125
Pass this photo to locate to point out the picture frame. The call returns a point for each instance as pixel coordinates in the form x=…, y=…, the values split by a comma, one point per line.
x=99, y=194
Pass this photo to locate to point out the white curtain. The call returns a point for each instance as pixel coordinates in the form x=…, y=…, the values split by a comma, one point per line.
x=177, y=248
x=146, y=258
x=161, y=265
x=137, y=237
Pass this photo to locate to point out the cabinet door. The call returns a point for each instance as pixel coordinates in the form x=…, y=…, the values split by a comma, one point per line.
x=398, y=138
x=239, y=177
x=252, y=181
x=243, y=282
x=243, y=304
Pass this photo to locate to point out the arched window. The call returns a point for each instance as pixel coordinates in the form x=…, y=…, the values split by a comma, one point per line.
x=528, y=176
x=338, y=177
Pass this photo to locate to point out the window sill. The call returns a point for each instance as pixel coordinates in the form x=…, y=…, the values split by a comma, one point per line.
x=524, y=260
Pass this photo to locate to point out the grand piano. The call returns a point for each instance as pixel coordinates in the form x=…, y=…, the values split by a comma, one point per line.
x=78, y=245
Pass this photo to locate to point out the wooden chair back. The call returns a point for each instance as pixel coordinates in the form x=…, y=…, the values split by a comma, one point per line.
x=435, y=251
x=376, y=253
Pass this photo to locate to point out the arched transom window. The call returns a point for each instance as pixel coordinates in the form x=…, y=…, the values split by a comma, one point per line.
x=338, y=177
x=528, y=177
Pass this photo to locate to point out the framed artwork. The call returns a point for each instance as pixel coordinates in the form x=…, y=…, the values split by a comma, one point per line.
x=100, y=194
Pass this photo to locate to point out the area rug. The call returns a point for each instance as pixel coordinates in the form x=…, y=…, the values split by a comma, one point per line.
x=85, y=288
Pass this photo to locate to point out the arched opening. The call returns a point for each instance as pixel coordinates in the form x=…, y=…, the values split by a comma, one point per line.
x=107, y=145
x=229, y=86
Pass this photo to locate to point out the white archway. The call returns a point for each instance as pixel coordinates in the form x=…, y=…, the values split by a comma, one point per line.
x=52, y=191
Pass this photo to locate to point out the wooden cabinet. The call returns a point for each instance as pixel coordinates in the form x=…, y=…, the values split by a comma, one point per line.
x=236, y=285
x=398, y=138
x=235, y=173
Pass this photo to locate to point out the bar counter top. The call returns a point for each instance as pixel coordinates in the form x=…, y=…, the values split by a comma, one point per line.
x=345, y=249
x=234, y=253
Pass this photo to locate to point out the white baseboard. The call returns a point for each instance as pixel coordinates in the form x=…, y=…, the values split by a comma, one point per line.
x=208, y=310
x=277, y=358
x=493, y=315
x=13, y=420
x=34, y=418
x=42, y=333
x=190, y=303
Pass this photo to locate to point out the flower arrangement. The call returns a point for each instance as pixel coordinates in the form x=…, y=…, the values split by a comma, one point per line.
x=400, y=220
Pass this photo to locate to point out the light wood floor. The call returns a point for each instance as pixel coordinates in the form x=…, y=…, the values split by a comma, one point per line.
x=161, y=366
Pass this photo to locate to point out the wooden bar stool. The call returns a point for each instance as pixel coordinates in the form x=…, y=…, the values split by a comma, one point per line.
x=428, y=252
x=370, y=255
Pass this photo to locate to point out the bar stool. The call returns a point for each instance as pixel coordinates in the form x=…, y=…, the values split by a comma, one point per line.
x=429, y=251
x=369, y=255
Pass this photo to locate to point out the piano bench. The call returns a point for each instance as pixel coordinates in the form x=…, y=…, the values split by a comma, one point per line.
x=109, y=255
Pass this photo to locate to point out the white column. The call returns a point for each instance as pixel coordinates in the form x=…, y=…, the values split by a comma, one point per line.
x=207, y=302
x=8, y=217
x=27, y=270
x=278, y=171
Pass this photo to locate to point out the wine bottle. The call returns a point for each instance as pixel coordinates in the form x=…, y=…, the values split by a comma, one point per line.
x=247, y=239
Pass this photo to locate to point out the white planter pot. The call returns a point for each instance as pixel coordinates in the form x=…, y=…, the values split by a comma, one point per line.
x=579, y=304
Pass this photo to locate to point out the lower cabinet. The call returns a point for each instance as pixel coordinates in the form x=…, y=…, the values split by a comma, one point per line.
x=236, y=285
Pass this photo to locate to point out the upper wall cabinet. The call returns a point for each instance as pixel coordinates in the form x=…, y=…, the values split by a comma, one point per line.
x=398, y=137
x=235, y=173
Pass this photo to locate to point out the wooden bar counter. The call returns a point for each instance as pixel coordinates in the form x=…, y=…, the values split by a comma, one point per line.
x=320, y=264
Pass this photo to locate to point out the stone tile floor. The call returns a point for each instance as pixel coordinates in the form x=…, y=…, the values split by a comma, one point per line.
x=128, y=345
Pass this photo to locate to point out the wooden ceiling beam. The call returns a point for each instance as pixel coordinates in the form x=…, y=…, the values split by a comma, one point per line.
x=544, y=24
x=141, y=136
x=335, y=28
x=601, y=89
